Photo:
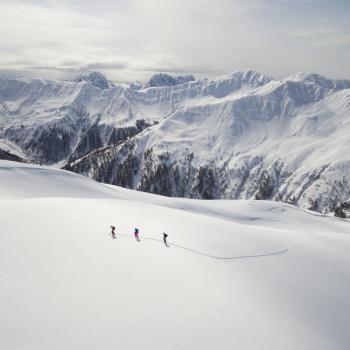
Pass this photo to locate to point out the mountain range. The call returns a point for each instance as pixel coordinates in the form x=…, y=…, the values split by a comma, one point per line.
x=241, y=136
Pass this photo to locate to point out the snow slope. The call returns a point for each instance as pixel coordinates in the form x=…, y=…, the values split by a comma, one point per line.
x=237, y=275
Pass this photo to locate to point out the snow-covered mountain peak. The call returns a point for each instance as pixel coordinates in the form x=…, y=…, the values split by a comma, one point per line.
x=162, y=79
x=320, y=80
x=308, y=76
x=251, y=77
x=232, y=83
x=95, y=78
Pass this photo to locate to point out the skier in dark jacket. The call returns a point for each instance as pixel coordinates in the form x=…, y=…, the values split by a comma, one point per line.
x=113, y=231
x=136, y=233
x=164, y=239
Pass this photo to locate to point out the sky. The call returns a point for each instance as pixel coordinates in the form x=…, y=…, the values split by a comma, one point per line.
x=130, y=40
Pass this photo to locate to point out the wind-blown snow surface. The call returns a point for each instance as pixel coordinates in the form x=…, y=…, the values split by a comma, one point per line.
x=66, y=284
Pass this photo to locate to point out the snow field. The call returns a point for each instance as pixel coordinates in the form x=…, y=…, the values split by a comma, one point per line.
x=66, y=284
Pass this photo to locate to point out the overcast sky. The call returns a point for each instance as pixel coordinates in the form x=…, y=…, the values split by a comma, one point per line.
x=132, y=39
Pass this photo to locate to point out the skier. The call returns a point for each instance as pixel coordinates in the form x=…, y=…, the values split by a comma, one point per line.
x=136, y=233
x=164, y=239
x=113, y=231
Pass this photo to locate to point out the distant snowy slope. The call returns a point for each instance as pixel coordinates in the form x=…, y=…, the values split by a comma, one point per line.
x=237, y=274
x=243, y=135
x=20, y=181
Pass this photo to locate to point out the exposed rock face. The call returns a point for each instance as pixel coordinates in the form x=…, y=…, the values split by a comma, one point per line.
x=95, y=78
x=49, y=145
x=89, y=141
x=9, y=156
x=342, y=210
x=162, y=79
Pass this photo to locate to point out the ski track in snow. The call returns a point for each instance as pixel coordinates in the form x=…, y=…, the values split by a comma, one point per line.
x=209, y=255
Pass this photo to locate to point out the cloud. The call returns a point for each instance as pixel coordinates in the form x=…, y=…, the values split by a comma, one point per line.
x=66, y=66
x=131, y=39
x=51, y=32
x=106, y=66
x=328, y=35
x=297, y=1
x=313, y=32
x=177, y=69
